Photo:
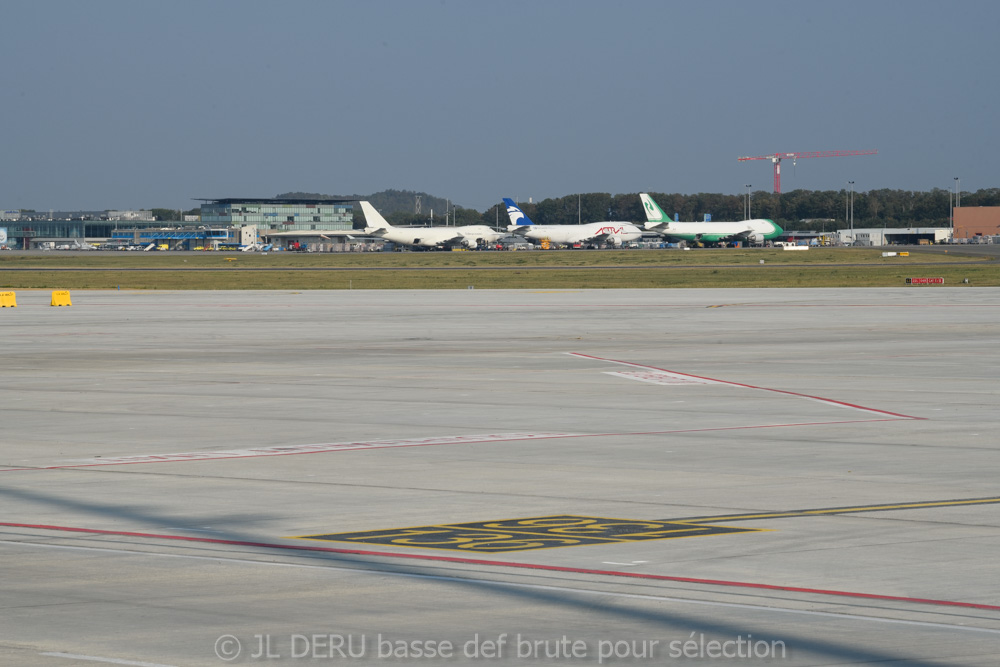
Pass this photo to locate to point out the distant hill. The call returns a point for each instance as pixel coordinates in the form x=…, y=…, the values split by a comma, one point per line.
x=387, y=201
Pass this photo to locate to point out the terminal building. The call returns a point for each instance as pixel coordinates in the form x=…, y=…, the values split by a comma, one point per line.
x=131, y=216
x=280, y=214
x=315, y=223
x=25, y=230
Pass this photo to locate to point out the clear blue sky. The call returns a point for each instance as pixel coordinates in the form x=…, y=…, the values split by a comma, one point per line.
x=129, y=104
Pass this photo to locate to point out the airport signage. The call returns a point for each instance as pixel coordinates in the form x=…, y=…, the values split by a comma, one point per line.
x=925, y=281
x=3, y=235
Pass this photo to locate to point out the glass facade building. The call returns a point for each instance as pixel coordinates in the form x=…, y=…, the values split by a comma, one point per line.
x=24, y=234
x=280, y=215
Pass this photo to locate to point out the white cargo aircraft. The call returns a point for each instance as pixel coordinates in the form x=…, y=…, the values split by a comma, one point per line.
x=612, y=233
x=750, y=231
x=468, y=236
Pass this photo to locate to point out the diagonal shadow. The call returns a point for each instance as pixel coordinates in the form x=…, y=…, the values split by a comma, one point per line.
x=841, y=651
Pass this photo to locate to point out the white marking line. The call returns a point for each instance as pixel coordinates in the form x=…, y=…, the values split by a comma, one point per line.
x=110, y=661
x=693, y=379
x=284, y=450
x=661, y=377
x=511, y=584
x=632, y=564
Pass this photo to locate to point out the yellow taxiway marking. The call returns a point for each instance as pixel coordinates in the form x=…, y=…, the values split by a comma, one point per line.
x=846, y=510
x=568, y=530
x=543, y=532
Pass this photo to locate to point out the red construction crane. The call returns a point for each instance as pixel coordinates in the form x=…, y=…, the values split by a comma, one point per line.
x=778, y=157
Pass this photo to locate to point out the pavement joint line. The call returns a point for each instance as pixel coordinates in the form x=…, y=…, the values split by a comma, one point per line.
x=514, y=584
x=96, y=658
x=517, y=565
x=188, y=457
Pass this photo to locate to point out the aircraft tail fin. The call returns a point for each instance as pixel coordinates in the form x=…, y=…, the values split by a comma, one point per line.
x=373, y=219
x=653, y=212
x=516, y=215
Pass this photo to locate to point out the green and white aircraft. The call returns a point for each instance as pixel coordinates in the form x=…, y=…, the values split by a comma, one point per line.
x=755, y=232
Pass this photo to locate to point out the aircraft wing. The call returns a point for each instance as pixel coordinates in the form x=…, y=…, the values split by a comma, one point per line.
x=743, y=235
x=739, y=236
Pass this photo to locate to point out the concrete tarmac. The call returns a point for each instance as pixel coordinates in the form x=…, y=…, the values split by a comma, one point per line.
x=620, y=477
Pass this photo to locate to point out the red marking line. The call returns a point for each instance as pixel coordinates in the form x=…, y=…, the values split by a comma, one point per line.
x=701, y=379
x=526, y=566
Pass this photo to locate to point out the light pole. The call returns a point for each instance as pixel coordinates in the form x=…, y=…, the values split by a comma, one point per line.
x=851, y=184
x=852, y=210
x=746, y=205
x=958, y=204
x=951, y=214
x=847, y=215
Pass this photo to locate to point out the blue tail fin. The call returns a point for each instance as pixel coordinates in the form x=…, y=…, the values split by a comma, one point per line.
x=516, y=215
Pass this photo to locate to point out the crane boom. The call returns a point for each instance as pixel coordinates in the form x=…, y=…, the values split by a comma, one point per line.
x=776, y=158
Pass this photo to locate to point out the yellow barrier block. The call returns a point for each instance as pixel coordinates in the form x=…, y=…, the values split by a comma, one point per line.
x=8, y=300
x=60, y=298
x=906, y=254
